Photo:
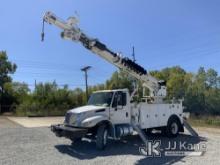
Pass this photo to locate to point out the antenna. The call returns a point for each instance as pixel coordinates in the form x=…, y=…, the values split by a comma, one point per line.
x=133, y=54
x=77, y=15
x=42, y=33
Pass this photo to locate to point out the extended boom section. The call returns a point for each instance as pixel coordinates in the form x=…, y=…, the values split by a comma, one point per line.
x=73, y=33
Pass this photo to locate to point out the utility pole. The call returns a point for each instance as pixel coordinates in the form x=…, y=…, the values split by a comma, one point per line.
x=133, y=54
x=134, y=81
x=85, y=69
x=1, y=101
x=35, y=84
x=1, y=92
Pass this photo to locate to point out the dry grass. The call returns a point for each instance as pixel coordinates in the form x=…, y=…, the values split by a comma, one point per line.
x=205, y=121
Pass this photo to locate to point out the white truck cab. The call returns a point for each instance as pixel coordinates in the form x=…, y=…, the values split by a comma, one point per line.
x=111, y=105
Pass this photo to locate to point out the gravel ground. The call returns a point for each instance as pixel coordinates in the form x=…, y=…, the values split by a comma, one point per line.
x=25, y=146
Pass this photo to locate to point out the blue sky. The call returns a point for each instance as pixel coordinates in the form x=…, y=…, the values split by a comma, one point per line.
x=164, y=32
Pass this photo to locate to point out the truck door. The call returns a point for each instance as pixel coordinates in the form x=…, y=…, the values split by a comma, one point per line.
x=119, y=111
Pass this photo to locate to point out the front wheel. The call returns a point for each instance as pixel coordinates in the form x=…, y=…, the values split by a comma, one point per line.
x=102, y=137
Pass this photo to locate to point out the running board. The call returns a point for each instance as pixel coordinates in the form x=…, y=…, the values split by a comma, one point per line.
x=189, y=128
x=140, y=132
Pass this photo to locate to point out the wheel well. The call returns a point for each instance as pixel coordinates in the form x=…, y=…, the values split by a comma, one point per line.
x=104, y=122
x=175, y=117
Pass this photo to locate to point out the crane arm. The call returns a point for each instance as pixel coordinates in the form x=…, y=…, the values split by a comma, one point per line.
x=73, y=33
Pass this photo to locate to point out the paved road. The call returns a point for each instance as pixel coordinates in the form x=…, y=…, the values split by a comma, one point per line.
x=25, y=146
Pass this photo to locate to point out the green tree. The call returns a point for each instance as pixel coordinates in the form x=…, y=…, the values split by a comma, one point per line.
x=119, y=80
x=6, y=68
x=212, y=78
x=17, y=90
x=175, y=78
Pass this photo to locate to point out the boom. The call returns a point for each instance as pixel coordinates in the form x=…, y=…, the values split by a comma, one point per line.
x=73, y=33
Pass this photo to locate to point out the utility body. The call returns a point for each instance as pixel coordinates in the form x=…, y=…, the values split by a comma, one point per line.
x=114, y=113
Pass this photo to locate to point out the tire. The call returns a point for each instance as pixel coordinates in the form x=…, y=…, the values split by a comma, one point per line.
x=173, y=128
x=102, y=137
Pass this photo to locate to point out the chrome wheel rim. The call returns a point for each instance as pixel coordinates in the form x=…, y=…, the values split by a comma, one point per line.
x=105, y=136
x=174, y=128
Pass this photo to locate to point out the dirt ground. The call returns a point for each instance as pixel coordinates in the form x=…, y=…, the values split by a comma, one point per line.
x=31, y=122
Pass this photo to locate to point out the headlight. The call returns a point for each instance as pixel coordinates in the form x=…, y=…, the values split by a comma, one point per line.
x=74, y=118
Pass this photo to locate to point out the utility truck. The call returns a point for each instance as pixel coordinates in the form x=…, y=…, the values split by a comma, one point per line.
x=115, y=113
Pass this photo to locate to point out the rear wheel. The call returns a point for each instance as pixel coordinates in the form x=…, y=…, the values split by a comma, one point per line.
x=172, y=129
x=102, y=137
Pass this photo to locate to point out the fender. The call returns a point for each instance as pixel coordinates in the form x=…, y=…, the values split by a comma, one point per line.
x=94, y=120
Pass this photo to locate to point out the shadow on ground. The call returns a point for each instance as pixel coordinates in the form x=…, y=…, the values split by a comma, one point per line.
x=129, y=146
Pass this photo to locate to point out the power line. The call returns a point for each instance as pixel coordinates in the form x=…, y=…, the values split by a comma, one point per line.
x=187, y=59
x=46, y=67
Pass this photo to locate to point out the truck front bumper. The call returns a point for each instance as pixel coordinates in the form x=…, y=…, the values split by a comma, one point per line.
x=67, y=131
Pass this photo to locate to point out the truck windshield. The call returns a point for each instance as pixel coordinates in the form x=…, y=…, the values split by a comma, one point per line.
x=102, y=99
